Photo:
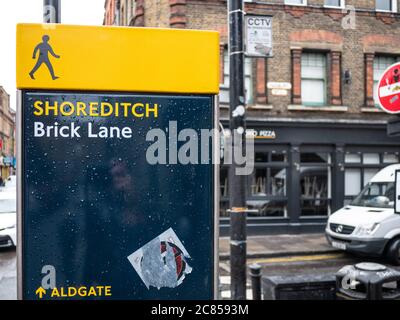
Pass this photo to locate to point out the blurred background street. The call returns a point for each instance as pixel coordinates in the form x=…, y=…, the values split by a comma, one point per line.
x=8, y=274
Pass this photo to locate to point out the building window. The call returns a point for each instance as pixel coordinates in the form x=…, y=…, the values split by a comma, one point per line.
x=224, y=195
x=224, y=182
x=390, y=158
x=123, y=14
x=315, y=183
x=381, y=63
x=352, y=182
x=360, y=167
x=296, y=2
x=313, y=79
x=248, y=85
x=386, y=5
x=267, y=185
x=131, y=12
x=334, y=3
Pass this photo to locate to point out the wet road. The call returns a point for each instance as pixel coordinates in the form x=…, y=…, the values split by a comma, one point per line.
x=8, y=274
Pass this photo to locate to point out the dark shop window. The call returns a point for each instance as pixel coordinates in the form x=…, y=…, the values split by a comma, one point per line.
x=224, y=195
x=315, y=183
x=361, y=166
x=268, y=183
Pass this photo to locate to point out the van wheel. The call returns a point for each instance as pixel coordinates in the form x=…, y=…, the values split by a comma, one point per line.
x=393, y=252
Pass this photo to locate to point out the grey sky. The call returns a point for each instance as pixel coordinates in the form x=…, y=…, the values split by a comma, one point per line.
x=84, y=12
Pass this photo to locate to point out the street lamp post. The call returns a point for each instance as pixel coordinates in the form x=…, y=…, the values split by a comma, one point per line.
x=237, y=183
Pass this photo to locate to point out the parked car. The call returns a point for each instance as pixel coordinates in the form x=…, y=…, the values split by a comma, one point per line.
x=8, y=219
x=369, y=225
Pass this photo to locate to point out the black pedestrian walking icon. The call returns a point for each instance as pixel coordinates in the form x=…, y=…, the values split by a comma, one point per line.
x=44, y=49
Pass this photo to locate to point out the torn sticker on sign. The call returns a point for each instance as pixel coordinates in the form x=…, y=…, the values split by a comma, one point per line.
x=162, y=262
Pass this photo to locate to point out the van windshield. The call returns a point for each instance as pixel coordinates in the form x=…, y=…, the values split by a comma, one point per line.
x=376, y=195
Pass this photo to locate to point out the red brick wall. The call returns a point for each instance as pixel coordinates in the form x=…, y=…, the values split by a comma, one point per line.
x=177, y=13
x=296, y=28
x=335, y=77
x=110, y=12
x=261, y=94
x=296, y=76
x=369, y=79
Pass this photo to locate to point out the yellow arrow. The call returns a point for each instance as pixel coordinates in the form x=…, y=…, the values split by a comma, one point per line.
x=40, y=292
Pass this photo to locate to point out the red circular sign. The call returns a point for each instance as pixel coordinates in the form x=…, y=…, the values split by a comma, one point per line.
x=389, y=89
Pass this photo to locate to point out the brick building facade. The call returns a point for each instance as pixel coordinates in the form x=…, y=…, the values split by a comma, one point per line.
x=322, y=140
x=7, y=136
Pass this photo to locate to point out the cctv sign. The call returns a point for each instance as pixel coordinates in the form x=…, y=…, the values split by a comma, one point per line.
x=258, y=36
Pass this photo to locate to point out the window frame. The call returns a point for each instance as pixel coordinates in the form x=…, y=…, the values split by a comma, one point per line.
x=269, y=164
x=376, y=82
x=123, y=13
x=342, y=5
x=130, y=11
x=325, y=79
x=249, y=92
x=393, y=7
x=362, y=166
x=329, y=169
x=303, y=4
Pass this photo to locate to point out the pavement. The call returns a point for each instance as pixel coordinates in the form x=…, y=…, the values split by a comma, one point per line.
x=8, y=274
x=278, y=255
x=285, y=254
x=280, y=246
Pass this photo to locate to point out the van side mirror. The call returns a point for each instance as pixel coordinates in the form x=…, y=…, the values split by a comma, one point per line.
x=397, y=192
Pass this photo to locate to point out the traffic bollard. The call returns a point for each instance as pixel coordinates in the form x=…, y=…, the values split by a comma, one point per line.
x=255, y=275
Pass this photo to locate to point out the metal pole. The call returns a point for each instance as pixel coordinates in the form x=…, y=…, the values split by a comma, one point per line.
x=255, y=275
x=237, y=191
x=52, y=11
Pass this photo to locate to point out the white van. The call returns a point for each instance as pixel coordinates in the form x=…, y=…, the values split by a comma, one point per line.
x=368, y=225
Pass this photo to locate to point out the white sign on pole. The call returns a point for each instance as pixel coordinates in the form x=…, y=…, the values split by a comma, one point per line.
x=397, y=192
x=258, y=35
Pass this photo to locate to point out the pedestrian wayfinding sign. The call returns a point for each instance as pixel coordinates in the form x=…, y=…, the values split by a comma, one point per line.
x=116, y=189
x=388, y=92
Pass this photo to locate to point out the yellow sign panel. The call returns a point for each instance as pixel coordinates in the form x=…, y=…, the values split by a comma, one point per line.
x=66, y=57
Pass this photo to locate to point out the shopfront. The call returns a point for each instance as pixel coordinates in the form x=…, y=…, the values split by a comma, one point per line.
x=7, y=166
x=306, y=170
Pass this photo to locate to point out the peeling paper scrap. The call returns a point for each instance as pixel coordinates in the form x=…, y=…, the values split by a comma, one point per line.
x=162, y=262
